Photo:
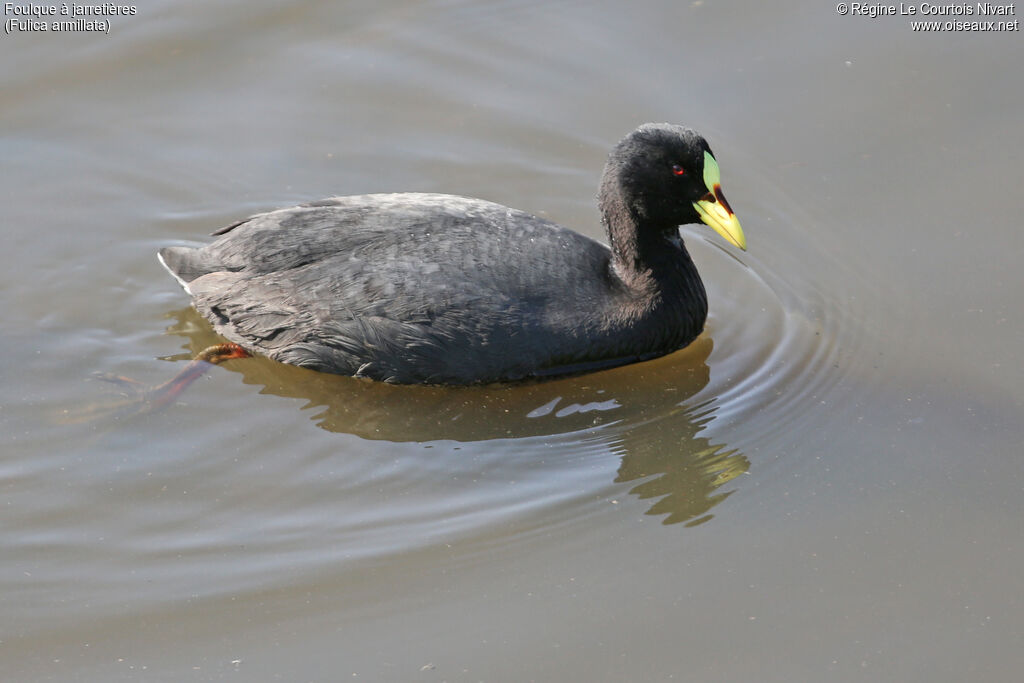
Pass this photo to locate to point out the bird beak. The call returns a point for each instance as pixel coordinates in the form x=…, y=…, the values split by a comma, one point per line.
x=714, y=210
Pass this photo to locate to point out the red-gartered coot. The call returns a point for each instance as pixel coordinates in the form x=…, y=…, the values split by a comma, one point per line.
x=433, y=288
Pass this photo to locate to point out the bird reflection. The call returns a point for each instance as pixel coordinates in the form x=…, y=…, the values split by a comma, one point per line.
x=640, y=411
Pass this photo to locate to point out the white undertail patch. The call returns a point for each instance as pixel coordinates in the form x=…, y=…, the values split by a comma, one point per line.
x=184, y=285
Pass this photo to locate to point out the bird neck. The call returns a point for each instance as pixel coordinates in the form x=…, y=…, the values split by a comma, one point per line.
x=652, y=263
x=639, y=244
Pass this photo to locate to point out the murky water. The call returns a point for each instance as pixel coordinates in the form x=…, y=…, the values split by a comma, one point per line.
x=826, y=486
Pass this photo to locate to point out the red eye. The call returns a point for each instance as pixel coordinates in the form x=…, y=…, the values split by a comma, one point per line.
x=678, y=170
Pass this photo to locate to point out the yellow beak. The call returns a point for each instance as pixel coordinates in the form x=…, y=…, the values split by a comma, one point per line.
x=715, y=211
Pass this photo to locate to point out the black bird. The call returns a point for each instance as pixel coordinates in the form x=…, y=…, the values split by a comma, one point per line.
x=440, y=289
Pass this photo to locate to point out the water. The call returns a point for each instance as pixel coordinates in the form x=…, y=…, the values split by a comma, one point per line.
x=825, y=486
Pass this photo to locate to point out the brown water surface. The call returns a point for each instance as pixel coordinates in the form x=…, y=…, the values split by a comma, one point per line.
x=828, y=485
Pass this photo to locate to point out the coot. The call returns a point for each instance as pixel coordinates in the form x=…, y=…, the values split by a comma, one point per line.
x=441, y=289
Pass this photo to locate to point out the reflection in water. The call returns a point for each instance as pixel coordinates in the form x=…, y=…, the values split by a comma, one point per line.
x=639, y=412
x=683, y=477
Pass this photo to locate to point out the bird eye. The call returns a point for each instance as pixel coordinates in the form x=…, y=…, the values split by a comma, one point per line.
x=678, y=170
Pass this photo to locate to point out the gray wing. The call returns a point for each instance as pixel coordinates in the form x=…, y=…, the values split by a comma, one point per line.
x=385, y=286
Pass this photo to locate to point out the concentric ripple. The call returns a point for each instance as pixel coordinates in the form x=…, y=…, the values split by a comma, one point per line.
x=670, y=432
